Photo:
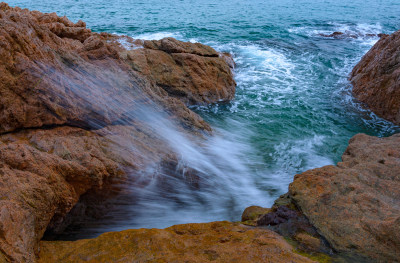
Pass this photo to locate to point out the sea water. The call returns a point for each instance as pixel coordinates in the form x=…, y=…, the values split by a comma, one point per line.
x=293, y=108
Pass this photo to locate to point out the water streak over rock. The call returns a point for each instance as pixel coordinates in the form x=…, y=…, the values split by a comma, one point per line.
x=75, y=113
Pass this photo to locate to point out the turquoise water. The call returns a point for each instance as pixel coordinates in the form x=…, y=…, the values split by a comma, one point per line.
x=293, y=109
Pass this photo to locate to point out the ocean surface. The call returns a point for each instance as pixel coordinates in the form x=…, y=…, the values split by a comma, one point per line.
x=293, y=109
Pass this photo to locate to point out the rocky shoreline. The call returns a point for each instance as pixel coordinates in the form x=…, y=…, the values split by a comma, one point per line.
x=73, y=107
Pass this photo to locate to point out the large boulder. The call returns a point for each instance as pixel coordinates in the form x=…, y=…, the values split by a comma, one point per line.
x=355, y=205
x=193, y=73
x=210, y=242
x=376, y=78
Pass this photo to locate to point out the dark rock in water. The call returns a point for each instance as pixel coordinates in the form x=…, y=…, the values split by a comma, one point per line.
x=376, y=78
x=334, y=34
x=355, y=205
x=347, y=34
x=73, y=111
x=280, y=215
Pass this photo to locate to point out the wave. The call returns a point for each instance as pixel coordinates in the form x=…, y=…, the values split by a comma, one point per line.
x=365, y=33
x=159, y=35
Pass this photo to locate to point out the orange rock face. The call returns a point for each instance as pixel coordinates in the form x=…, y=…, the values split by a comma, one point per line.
x=376, y=78
x=72, y=108
x=44, y=172
x=54, y=72
x=355, y=205
x=210, y=242
x=194, y=73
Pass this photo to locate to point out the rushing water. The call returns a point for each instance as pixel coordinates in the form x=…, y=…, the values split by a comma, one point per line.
x=293, y=108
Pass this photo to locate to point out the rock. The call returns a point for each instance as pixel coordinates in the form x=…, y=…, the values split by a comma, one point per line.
x=252, y=213
x=54, y=72
x=193, y=73
x=376, y=78
x=76, y=115
x=171, y=45
x=216, y=242
x=228, y=59
x=44, y=172
x=290, y=222
x=355, y=205
x=334, y=35
x=349, y=34
x=281, y=215
x=308, y=242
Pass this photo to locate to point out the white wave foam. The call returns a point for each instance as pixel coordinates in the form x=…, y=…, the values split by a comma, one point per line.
x=367, y=33
x=296, y=156
x=128, y=45
x=159, y=35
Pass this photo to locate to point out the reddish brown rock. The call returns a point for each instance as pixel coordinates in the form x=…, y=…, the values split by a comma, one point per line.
x=55, y=72
x=355, y=205
x=376, y=78
x=44, y=172
x=210, y=242
x=194, y=73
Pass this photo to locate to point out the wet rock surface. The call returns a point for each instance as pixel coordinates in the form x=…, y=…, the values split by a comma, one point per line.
x=376, y=78
x=355, y=205
x=209, y=242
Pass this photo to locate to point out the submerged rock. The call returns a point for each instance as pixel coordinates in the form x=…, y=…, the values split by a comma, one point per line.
x=348, y=34
x=215, y=242
x=376, y=78
x=75, y=113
